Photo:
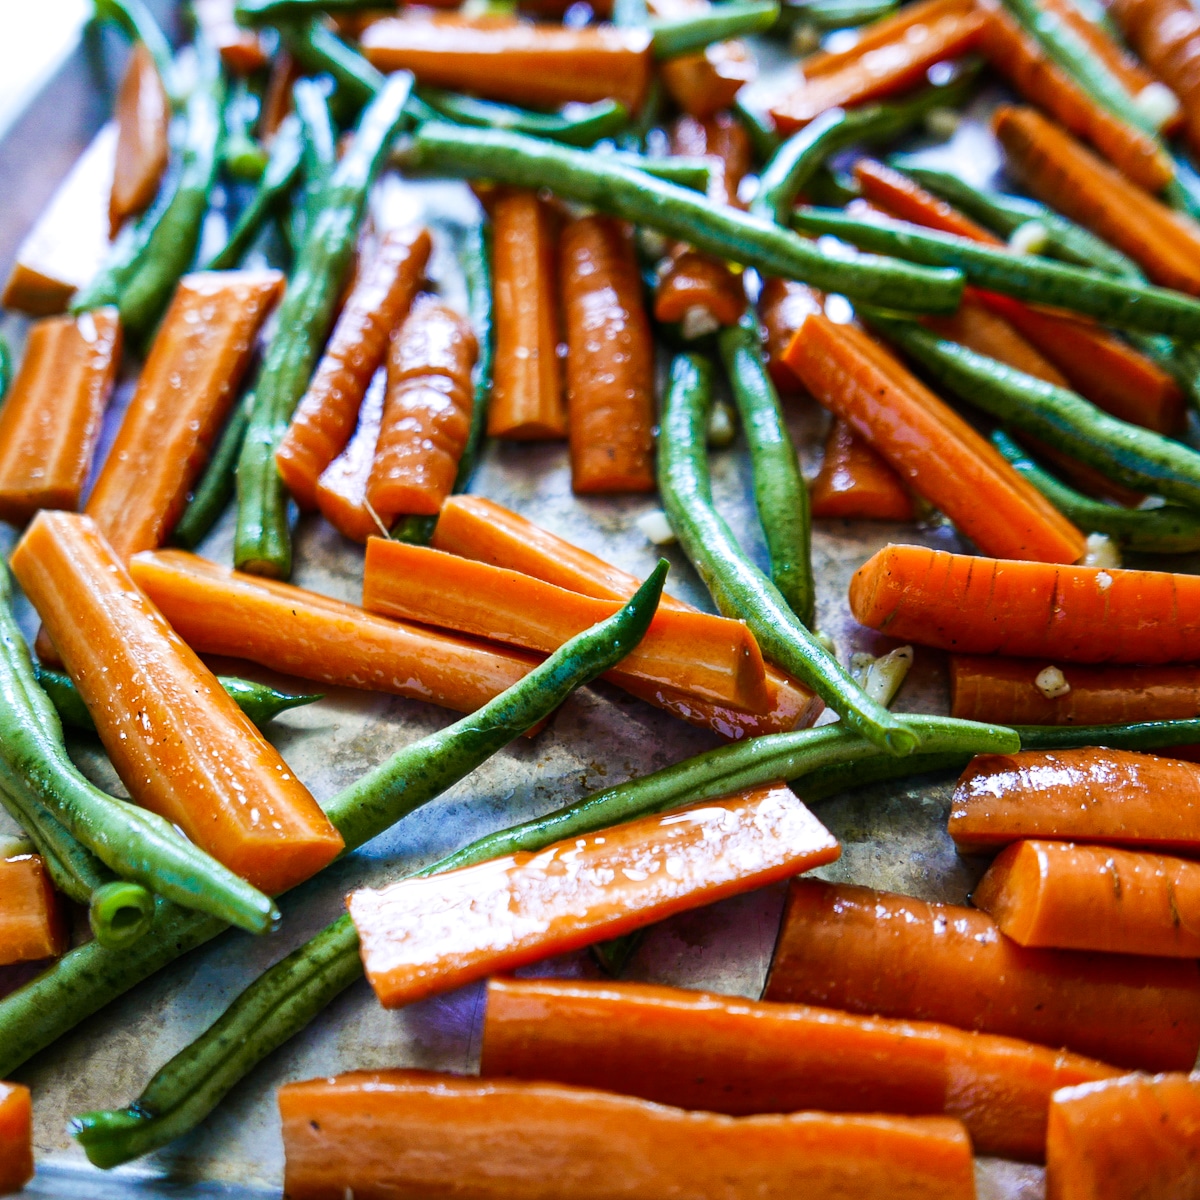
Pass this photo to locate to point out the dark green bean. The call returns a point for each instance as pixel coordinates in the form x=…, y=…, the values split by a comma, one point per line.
x=844, y=777
x=674, y=36
x=242, y=155
x=137, y=22
x=573, y=125
x=5, y=368
x=686, y=172
x=120, y=913
x=216, y=485
x=758, y=126
x=318, y=49
x=270, y=12
x=1147, y=735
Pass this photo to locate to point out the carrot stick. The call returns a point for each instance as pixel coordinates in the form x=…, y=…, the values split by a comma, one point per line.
x=241, y=49
x=409, y=1135
x=324, y=420
x=855, y=483
x=31, y=924
x=16, y=1137
x=477, y=528
x=713, y=658
x=178, y=741
x=341, y=493
x=704, y=83
x=1111, y=797
x=723, y=140
x=537, y=65
x=428, y=935
x=277, y=100
x=527, y=397
x=610, y=360
x=884, y=33
x=931, y=447
x=697, y=1050
x=894, y=956
x=977, y=605
x=143, y=114
x=782, y=306
x=902, y=197
x=52, y=413
x=185, y=391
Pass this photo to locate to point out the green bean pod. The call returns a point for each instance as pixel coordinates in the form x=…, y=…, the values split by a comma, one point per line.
x=5, y=368
x=271, y=12
x=825, y=15
x=319, y=50
x=758, y=126
x=674, y=36
x=1146, y=735
x=573, y=125
x=241, y=154
x=216, y=486
x=120, y=913
x=682, y=170
x=318, y=149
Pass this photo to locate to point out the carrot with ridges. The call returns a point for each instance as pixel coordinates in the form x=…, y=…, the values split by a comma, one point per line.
x=856, y=483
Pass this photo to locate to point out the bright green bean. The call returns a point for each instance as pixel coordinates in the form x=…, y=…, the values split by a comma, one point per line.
x=120, y=913
x=674, y=36
x=573, y=125
x=318, y=152
x=824, y=15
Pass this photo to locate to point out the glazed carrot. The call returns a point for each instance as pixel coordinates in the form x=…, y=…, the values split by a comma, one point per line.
x=16, y=1137
x=1134, y=1136
x=931, y=447
x=341, y=493
x=51, y=416
x=426, y=413
x=538, y=65
x=143, y=114
x=184, y=393
x=325, y=417
x=856, y=483
x=610, y=360
x=724, y=141
x=277, y=99
x=527, y=397
x=435, y=933
x=723, y=1054
x=975, y=605
x=875, y=952
x=713, y=658
x=31, y=924
x=904, y=198
x=704, y=83
x=1111, y=797
x=241, y=49
x=978, y=328
x=409, y=1135
x=782, y=306
x=1067, y=897
x=180, y=744
x=883, y=33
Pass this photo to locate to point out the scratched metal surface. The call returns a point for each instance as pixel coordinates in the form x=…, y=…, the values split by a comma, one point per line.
x=892, y=836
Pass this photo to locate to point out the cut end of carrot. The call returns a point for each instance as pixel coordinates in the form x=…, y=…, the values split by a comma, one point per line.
x=16, y=1137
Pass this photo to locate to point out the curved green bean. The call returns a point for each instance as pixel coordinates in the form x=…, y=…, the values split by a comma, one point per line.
x=674, y=36
x=120, y=913
x=758, y=126
x=573, y=125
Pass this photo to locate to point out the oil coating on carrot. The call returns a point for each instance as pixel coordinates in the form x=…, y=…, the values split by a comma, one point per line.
x=723, y=140
x=143, y=115
x=428, y=935
x=704, y=83
x=341, y=493
x=178, y=741
x=782, y=306
x=410, y=1135
x=856, y=483
x=16, y=1137
x=31, y=923
x=907, y=200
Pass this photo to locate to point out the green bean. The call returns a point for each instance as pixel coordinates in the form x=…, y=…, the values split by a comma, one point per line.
x=1118, y=302
x=678, y=213
x=318, y=49
x=1146, y=735
x=318, y=152
x=263, y=541
x=835, y=188
x=613, y=955
x=674, y=36
x=137, y=22
x=739, y=588
x=241, y=153
x=5, y=368
x=120, y=913
x=825, y=15
x=573, y=125
x=685, y=171
x=758, y=126
x=779, y=492
x=844, y=777
x=270, y=12
x=215, y=488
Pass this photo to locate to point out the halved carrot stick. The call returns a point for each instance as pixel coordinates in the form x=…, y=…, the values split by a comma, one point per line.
x=933, y=449
x=143, y=114
x=610, y=360
x=180, y=744
x=409, y=1135
x=241, y=49
x=527, y=393
x=277, y=99
x=185, y=391
x=978, y=605
x=710, y=657
x=856, y=483
x=477, y=528
x=876, y=952
x=704, y=83
x=1111, y=797
x=723, y=1054
x=884, y=32
x=428, y=935
x=906, y=199
x=516, y=61
x=723, y=140
x=16, y=1137
x=52, y=413
x=782, y=306
x=378, y=301
x=341, y=493
x=1134, y=1136
x=31, y=923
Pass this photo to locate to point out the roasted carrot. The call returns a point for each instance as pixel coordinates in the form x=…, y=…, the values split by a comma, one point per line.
x=426, y=412
x=883, y=33
x=31, y=924
x=713, y=658
x=180, y=744
x=1033, y=610
x=341, y=493
x=856, y=483
x=241, y=49
x=875, y=952
x=610, y=360
x=51, y=416
x=723, y=1054
x=185, y=391
x=325, y=417
x=1112, y=797
x=16, y=1137
x=410, y=1135
x=527, y=393
x=1137, y=1135
x=906, y=199
x=514, y=60
x=782, y=306
x=143, y=114
x=698, y=292
x=704, y=83
x=724, y=141
x=432, y=934
x=932, y=448
x=277, y=99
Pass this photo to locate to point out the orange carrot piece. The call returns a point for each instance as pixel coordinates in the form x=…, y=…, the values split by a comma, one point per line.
x=722, y=1054
x=516, y=61
x=975, y=605
x=610, y=360
x=31, y=923
x=723, y=140
x=1134, y=1136
x=241, y=49
x=142, y=114
x=907, y=200
x=410, y=1135
x=931, y=447
x=180, y=744
x=342, y=488
x=185, y=391
x=277, y=99
x=856, y=483
x=879, y=953
x=51, y=417
x=428, y=935
x=704, y=83
x=16, y=1137
x=527, y=393
x=1111, y=797
x=782, y=306
x=699, y=291
x=713, y=658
